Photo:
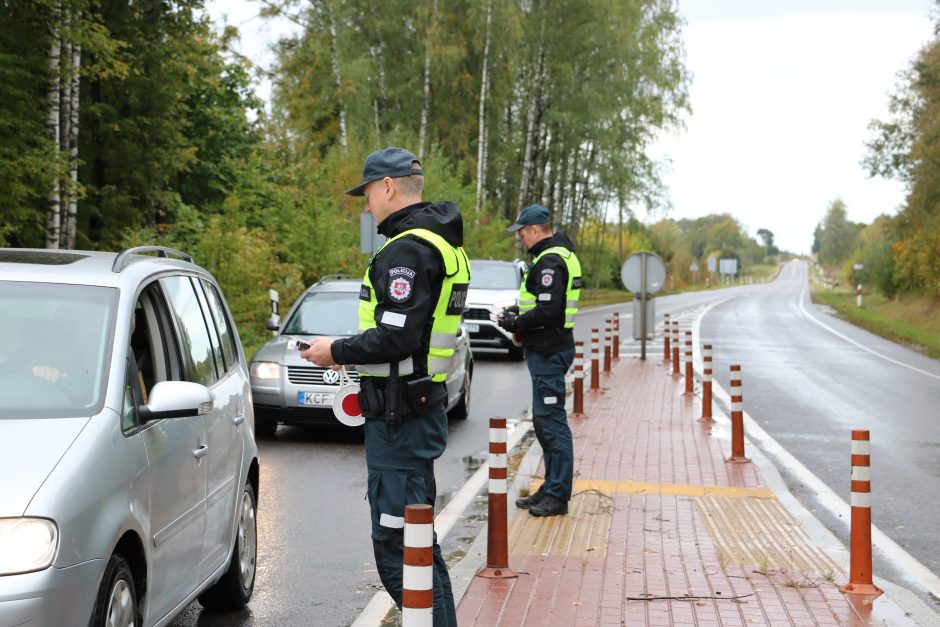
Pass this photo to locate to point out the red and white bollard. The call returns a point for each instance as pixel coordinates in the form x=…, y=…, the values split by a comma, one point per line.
x=616, y=335
x=689, y=379
x=497, y=523
x=595, y=361
x=737, y=418
x=707, y=382
x=578, y=380
x=860, y=576
x=608, y=332
x=675, y=348
x=858, y=295
x=667, y=330
x=417, y=595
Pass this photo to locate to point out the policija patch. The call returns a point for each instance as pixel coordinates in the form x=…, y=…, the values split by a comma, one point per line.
x=547, y=277
x=401, y=283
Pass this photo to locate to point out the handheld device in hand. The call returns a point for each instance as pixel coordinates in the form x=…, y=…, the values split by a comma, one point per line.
x=295, y=343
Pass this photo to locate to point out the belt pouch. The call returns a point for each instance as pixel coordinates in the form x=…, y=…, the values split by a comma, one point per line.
x=420, y=393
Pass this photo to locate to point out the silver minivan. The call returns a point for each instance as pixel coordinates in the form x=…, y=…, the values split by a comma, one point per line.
x=128, y=464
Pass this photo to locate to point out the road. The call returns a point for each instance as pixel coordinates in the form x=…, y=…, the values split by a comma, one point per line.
x=805, y=385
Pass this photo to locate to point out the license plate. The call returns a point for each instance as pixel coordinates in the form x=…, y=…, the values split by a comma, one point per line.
x=472, y=328
x=315, y=399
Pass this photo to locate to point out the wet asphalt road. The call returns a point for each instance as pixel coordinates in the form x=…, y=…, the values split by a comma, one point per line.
x=807, y=387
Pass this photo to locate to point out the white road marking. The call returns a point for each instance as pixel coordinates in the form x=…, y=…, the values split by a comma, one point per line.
x=857, y=344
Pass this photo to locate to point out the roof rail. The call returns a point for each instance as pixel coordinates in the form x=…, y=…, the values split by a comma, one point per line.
x=333, y=277
x=121, y=261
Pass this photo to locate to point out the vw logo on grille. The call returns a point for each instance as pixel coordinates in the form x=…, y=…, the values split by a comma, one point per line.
x=330, y=377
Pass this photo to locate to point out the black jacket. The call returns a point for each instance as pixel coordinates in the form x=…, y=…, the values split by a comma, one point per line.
x=543, y=327
x=407, y=276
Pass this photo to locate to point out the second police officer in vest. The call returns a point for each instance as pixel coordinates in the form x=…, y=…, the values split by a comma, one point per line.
x=411, y=301
x=548, y=302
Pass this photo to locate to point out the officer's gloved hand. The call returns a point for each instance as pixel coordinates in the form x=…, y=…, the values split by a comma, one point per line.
x=513, y=309
x=508, y=321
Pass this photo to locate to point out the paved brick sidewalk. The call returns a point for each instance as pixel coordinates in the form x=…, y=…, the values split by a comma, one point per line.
x=661, y=531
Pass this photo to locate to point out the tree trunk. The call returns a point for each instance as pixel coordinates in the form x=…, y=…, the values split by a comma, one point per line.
x=337, y=76
x=534, y=97
x=72, y=212
x=426, y=102
x=54, y=207
x=481, y=125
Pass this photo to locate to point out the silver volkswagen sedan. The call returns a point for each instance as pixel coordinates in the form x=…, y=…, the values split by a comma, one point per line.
x=128, y=464
x=288, y=390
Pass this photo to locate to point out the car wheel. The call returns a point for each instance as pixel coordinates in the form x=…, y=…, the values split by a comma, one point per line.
x=461, y=411
x=234, y=589
x=516, y=353
x=116, y=603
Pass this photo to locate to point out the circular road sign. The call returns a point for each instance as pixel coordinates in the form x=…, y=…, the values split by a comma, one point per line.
x=631, y=273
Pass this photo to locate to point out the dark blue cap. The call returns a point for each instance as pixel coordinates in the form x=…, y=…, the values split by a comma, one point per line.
x=391, y=162
x=533, y=214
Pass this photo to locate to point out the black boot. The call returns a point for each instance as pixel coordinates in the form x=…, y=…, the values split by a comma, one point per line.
x=549, y=506
x=529, y=501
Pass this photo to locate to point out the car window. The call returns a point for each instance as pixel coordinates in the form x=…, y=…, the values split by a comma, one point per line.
x=55, y=343
x=220, y=367
x=222, y=324
x=325, y=313
x=195, y=344
x=488, y=276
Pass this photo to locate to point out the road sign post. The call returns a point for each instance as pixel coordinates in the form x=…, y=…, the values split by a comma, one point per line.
x=643, y=273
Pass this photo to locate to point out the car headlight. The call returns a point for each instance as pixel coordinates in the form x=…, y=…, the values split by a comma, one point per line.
x=26, y=544
x=265, y=370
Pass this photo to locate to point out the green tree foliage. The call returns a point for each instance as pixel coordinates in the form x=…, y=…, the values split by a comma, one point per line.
x=906, y=148
x=836, y=237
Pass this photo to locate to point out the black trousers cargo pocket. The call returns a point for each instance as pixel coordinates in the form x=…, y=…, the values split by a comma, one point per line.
x=390, y=491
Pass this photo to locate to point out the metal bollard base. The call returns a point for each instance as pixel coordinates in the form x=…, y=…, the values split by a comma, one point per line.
x=738, y=459
x=862, y=588
x=497, y=572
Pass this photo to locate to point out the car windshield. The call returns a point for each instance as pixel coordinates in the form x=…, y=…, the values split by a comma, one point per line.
x=489, y=276
x=325, y=313
x=54, y=347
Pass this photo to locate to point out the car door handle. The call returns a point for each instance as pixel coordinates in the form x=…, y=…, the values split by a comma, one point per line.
x=238, y=419
x=200, y=451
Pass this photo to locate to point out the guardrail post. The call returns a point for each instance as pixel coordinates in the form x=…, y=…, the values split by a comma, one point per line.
x=578, y=380
x=497, y=522
x=417, y=598
x=737, y=418
x=675, y=348
x=616, y=335
x=689, y=378
x=706, y=382
x=595, y=361
x=860, y=576
x=607, y=342
x=667, y=329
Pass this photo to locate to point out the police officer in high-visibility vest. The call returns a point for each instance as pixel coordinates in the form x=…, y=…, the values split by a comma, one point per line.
x=411, y=301
x=548, y=302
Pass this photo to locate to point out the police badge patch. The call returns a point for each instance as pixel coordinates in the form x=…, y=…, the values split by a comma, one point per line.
x=401, y=284
x=547, y=278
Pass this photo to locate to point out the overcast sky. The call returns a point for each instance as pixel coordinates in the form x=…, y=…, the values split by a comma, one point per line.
x=782, y=94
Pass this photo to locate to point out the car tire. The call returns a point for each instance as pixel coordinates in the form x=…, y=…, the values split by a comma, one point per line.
x=461, y=411
x=516, y=353
x=116, y=602
x=233, y=590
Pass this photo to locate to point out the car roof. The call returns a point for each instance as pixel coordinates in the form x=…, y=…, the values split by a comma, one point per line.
x=494, y=262
x=86, y=267
x=336, y=285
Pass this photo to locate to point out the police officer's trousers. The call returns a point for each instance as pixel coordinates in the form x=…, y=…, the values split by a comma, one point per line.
x=551, y=420
x=395, y=480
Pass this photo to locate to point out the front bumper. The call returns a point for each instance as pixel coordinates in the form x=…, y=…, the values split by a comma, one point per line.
x=281, y=401
x=483, y=332
x=54, y=597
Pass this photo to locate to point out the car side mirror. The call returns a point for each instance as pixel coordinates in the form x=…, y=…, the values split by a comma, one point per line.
x=273, y=323
x=177, y=399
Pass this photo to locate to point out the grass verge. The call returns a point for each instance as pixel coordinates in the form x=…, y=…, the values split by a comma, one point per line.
x=910, y=320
